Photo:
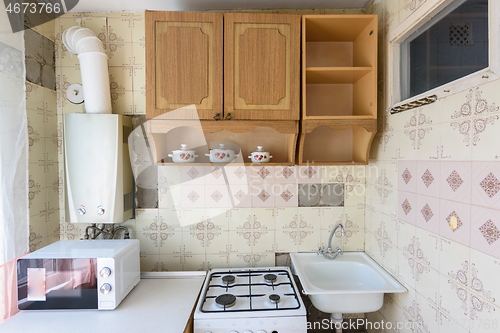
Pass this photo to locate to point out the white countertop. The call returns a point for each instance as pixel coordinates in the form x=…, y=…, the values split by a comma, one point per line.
x=161, y=302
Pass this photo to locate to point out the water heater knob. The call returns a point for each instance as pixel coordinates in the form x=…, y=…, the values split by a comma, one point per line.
x=100, y=210
x=105, y=272
x=105, y=288
x=81, y=211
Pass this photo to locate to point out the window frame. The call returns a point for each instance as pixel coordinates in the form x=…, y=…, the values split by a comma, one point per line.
x=423, y=14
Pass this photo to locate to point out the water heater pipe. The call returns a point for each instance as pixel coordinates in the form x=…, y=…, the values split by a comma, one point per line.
x=93, y=67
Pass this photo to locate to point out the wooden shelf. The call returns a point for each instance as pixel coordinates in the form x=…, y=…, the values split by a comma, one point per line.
x=277, y=137
x=336, y=75
x=331, y=143
x=226, y=164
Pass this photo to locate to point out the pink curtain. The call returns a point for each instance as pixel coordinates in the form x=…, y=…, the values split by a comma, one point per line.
x=8, y=291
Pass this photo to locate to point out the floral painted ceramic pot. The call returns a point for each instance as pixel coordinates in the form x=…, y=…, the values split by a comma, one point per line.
x=221, y=155
x=183, y=155
x=260, y=156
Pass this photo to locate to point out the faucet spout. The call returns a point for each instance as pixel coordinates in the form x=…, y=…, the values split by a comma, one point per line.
x=328, y=253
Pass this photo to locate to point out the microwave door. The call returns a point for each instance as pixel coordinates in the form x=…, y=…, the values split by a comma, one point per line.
x=57, y=284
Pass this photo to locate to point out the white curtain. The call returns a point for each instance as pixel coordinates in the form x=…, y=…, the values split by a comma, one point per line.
x=14, y=215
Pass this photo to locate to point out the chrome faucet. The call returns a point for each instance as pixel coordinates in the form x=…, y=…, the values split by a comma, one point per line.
x=328, y=254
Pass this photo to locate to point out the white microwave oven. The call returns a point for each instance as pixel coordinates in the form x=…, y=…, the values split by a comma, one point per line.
x=78, y=274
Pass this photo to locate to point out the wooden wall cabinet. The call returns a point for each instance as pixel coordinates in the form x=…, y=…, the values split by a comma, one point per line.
x=184, y=62
x=339, y=88
x=261, y=64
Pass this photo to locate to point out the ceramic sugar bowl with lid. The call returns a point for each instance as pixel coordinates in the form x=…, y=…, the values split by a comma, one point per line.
x=221, y=154
x=183, y=155
x=260, y=156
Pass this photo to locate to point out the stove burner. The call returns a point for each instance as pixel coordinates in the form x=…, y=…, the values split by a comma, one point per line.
x=270, y=278
x=275, y=299
x=225, y=300
x=228, y=279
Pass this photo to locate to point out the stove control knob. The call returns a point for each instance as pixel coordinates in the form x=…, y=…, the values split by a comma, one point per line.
x=105, y=288
x=261, y=331
x=105, y=272
x=100, y=210
x=81, y=211
x=247, y=332
x=233, y=332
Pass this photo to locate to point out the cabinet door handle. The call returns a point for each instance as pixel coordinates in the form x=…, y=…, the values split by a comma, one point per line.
x=217, y=117
x=229, y=117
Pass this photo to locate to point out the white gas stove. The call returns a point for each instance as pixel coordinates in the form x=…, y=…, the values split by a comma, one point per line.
x=254, y=300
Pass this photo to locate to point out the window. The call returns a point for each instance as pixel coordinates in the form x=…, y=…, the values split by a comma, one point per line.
x=443, y=48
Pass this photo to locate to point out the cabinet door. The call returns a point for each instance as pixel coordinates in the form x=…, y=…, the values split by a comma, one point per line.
x=261, y=66
x=184, y=62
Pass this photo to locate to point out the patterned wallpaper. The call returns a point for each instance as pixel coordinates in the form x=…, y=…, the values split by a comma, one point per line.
x=437, y=163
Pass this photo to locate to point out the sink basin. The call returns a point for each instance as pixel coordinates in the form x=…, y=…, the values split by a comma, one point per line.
x=351, y=283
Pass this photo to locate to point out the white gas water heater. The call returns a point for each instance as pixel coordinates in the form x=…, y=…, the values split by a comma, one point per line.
x=99, y=180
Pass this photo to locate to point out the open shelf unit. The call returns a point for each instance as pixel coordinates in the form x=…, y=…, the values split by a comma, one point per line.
x=339, y=66
x=277, y=137
x=339, y=88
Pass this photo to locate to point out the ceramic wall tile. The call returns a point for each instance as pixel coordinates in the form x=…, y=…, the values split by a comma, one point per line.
x=98, y=24
x=452, y=143
x=240, y=174
x=428, y=314
x=138, y=28
x=407, y=207
x=193, y=196
x=428, y=176
x=286, y=174
x=454, y=300
x=167, y=263
x=485, y=231
x=427, y=215
x=407, y=180
x=427, y=248
x=120, y=28
x=262, y=174
x=486, y=184
x=286, y=195
x=448, y=325
x=139, y=78
x=484, y=315
x=262, y=195
x=151, y=263
x=193, y=175
x=450, y=210
x=139, y=102
x=483, y=281
x=406, y=234
x=240, y=196
x=456, y=181
x=310, y=174
x=453, y=260
x=119, y=54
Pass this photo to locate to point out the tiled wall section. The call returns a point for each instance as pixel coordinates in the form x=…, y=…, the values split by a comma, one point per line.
x=435, y=162
x=123, y=37
x=44, y=138
x=266, y=219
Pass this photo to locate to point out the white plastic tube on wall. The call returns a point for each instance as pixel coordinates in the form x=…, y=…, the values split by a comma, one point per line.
x=93, y=68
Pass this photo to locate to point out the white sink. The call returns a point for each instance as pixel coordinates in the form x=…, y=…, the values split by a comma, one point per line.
x=351, y=283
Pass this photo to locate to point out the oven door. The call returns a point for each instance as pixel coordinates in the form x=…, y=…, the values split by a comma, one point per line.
x=56, y=284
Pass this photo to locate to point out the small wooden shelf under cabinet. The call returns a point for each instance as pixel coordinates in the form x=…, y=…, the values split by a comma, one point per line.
x=277, y=137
